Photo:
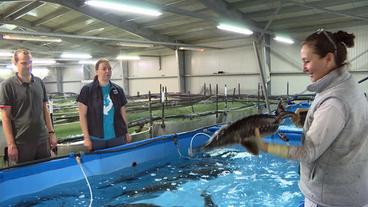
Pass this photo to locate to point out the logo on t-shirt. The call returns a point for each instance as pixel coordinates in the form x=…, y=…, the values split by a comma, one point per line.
x=107, y=104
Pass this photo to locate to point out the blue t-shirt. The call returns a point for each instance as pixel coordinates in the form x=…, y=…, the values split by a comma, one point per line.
x=108, y=112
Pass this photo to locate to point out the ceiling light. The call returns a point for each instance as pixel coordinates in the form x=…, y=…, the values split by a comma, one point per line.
x=123, y=8
x=75, y=55
x=87, y=62
x=283, y=39
x=128, y=57
x=33, y=13
x=127, y=44
x=8, y=26
x=31, y=38
x=94, y=30
x=192, y=48
x=231, y=28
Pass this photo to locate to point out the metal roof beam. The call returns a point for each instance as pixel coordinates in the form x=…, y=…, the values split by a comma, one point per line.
x=340, y=13
x=51, y=16
x=289, y=7
x=23, y=10
x=74, y=21
x=222, y=8
x=317, y=17
x=115, y=21
x=39, y=30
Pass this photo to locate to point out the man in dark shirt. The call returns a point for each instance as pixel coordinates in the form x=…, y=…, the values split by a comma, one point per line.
x=25, y=117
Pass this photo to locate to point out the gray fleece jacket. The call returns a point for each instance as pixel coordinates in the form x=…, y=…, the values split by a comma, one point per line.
x=334, y=155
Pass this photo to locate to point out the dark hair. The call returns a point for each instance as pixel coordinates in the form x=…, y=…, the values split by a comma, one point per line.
x=324, y=42
x=102, y=60
x=19, y=51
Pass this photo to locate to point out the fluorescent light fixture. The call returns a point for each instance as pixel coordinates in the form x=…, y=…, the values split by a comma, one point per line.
x=76, y=55
x=123, y=7
x=283, y=39
x=43, y=61
x=127, y=44
x=31, y=38
x=192, y=48
x=231, y=28
x=87, y=62
x=94, y=30
x=5, y=54
x=8, y=26
x=128, y=57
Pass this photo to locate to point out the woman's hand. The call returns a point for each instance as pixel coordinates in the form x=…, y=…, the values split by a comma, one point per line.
x=87, y=143
x=128, y=138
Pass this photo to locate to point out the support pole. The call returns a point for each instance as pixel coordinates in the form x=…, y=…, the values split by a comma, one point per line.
x=150, y=114
x=191, y=102
x=217, y=103
x=225, y=93
x=232, y=100
x=264, y=84
x=162, y=91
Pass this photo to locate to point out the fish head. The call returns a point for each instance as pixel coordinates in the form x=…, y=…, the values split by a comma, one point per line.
x=280, y=108
x=298, y=117
x=221, y=137
x=301, y=115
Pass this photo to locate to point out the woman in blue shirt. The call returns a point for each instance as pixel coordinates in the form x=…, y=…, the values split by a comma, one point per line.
x=102, y=111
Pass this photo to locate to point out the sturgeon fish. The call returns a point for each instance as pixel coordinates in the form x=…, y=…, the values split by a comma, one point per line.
x=247, y=131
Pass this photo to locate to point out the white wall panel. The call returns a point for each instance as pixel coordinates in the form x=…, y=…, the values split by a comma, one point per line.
x=285, y=58
x=297, y=84
x=117, y=70
x=148, y=73
x=72, y=78
x=238, y=61
x=51, y=76
x=248, y=84
x=51, y=87
x=360, y=49
x=73, y=73
x=200, y=63
x=50, y=81
x=73, y=87
x=144, y=85
x=145, y=67
x=234, y=60
x=169, y=65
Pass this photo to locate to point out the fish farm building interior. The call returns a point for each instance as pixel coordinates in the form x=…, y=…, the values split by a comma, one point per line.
x=186, y=67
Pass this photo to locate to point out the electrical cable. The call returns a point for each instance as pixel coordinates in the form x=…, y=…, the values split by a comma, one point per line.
x=78, y=159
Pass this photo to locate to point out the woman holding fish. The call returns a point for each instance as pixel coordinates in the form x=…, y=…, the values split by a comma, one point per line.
x=334, y=155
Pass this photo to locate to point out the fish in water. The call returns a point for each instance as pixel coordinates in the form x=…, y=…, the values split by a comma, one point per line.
x=247, y=131
x=208, y=202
